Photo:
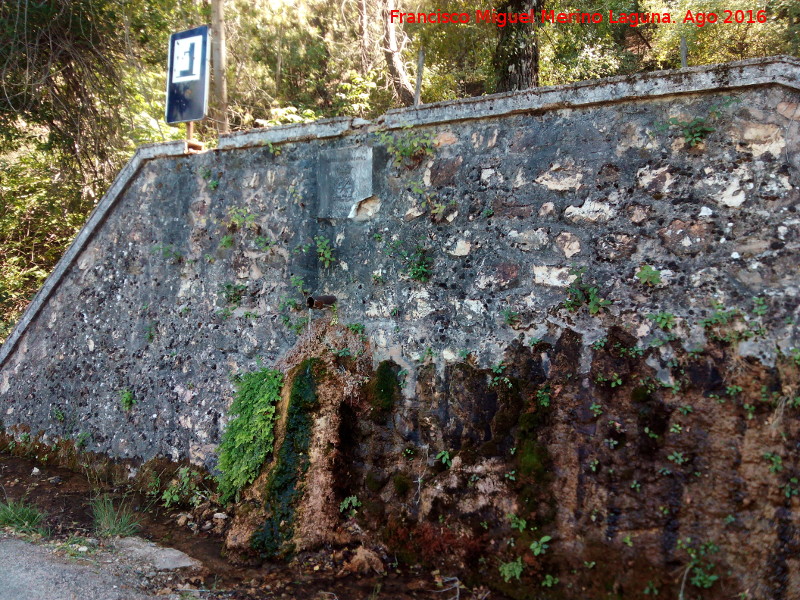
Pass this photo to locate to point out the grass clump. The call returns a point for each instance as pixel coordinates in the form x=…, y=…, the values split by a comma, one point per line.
x=249, y=437
x=110, y=521
x=22, y=517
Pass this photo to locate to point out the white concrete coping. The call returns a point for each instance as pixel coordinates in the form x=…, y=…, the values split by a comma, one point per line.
x=775, y=70
x=316, y=130
x=95, y=220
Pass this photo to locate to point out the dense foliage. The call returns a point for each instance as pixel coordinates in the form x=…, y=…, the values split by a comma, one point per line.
x=82, y=82
x=249, y=436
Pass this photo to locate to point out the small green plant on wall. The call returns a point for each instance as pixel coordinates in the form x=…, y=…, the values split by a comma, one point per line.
x=444, y=457
x=82, y=440
x=273, y=149
x=350, y=506
x=511, y=570
x=208, y=175
x=233, y=293
x=419, y=265
x=665, y=320
x=498, y=377
x=324, y=251
x=240, y=218
x=695, y=130
x=580, y=293
x=648, y=275
x=540, y=547
x=126, y=399
x=58, y=414
x=510, y=317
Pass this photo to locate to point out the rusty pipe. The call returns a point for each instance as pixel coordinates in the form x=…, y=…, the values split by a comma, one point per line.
x=320, y=302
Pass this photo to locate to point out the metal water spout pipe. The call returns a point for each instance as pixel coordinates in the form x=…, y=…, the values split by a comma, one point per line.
x=320, y=302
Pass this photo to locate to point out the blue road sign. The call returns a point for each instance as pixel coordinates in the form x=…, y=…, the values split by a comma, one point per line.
x=187, y=75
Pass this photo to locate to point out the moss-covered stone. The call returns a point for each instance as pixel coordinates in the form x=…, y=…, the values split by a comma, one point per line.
x=374, y=482
x=384, y=391
x=282, y=489
x=402, y=484
x=533, y=459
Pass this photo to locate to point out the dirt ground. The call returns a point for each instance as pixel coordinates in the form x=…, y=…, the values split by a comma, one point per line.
x=65, y=498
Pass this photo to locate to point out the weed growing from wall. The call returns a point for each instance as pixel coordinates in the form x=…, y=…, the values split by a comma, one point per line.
x=647, y=275
x=580, y=293
x=249, y=436
x=513, y=569
x=282, y=490
x=697, y=129
x=233, y=293
x=419, y=266
x=324, y=251
x=240, y=218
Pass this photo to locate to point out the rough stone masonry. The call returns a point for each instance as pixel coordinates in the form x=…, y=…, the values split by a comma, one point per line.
x=653, y=218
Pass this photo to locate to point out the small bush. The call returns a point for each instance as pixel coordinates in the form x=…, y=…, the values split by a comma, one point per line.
x=406, y=146
x=184, y=489
x=110, y=521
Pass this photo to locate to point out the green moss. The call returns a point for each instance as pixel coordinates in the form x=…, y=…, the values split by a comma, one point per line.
x=374, y=483
x=384, y=391
x=282, y=492
x=533, y=459
x=641, y=394
x=530, y=422
x=401, y=483
x=373, y=509
x=249, y=437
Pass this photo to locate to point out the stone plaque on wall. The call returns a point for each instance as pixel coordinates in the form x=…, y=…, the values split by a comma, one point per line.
x=344, y=178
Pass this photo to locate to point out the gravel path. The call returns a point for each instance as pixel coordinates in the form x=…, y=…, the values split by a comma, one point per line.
x=36, y=572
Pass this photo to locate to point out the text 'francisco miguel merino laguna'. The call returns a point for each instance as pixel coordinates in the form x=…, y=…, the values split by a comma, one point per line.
x=502, y=19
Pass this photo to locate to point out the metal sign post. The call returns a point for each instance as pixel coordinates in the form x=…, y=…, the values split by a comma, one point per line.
x=188, y=79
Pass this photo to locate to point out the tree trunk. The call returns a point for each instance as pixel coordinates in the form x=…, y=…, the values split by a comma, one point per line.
x=394, y=58
x=279, y=64
x=220, y=60
x=364, y=34
x=516, y=58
